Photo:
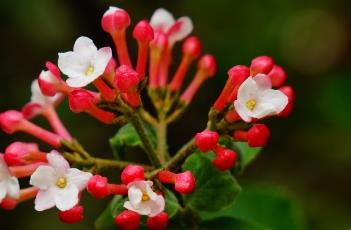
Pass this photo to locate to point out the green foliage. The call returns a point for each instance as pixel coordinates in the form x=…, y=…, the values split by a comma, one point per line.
x=229, y=223
x=127, y=138
x=215, y=190
x=172, y=204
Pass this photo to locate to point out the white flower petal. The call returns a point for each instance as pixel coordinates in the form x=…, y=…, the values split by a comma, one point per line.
x=48, y=76
x=151, y=193
x=263, y=82
x=44, y=200
x=135, y=195
x=13, y=188
x=274, y=100
x=72, y=64
x=162, y=20
x=85, y=47
x=157, y=206
x=128, y=205
x=78, y=82
x=78, y=178
x=180, y=30
x=58, y=162
x=66, y=198
x=101, y=59
x=3, y=190
x=248, y=90
x=242, y=111
x=43, y=177
x=4, y=171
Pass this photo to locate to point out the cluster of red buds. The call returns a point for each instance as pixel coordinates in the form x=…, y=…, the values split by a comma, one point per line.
x=247, y=98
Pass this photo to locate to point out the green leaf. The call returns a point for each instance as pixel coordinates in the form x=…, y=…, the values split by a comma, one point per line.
x=116, y=205
x=172, y=204
x=127, y=137
x=215, y=190
x=229, y=223
x=106, y=219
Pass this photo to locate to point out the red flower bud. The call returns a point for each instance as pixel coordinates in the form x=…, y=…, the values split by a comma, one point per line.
x=81, y=100
x=115, y=19
x=192, y=47
x=158, y=222
x=289, y=92
x=20, y=153
x=8, y=203
x=261, y=64
x=208, y=64
x=184, y=183
x=73, y=215
x=143, y=32
x=277, y=75
x=10, y=121
x=258, y=135
x=126, y=79
x=98, y=187
x=132, y=173
x=128, y=220
x=225, y=159
x=206, y=140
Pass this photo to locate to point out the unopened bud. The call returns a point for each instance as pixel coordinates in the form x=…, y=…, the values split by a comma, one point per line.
x=115, y=19
x=206, y=140
x=192, y=47
x=132, y=173
x=73, y=215
x=143, y=32
x=289, y=92
x=158, y=222
x=277, y=75
x=225, y=159
x=126, y=79
x=261, y=64
x=128, y=220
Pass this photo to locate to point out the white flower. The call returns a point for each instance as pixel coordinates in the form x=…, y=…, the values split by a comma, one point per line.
x=143, y=200
x=38, y=97
x=162, y=20
x=257, y=99
x=9, y=185
x=85, y=63
x=59, y=185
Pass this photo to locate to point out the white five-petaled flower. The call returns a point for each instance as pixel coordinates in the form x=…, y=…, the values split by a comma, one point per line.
x=257, y=99
x=143, y=200
x=162, y=20
x=9, y=185
x=40, y=99
x=59, y=185
x=85, y=63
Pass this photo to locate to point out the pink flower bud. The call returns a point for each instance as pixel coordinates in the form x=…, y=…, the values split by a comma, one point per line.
x=81, y=100
x=73, y=215
x=206, y=140
x=10, y=121
x=225, y=159
x=289, y=92
x=159, y=42
x=258, y=135
x=54, y=69
x=132, y=173
x=192, y=47
x=184, y=182
x=98, y=187
x=261, y=64
x=208, y=64
x=20, y=153
x=30, y=110
x=158, y=222
x=126, y=79
x=115, y=19
x=8, y=203
x=143, y=32
x=277, y=75
x=232, y=116
x=128, y=220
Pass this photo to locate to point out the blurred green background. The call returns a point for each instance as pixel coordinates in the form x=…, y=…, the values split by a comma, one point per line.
x=309, y=154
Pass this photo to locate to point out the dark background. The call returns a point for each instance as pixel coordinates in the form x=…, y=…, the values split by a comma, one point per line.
x=309, y=153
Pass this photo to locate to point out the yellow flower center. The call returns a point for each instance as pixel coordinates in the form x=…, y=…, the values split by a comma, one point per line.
x=89, y=70
x=145, y=197
x=61, y=182
x=250, y=104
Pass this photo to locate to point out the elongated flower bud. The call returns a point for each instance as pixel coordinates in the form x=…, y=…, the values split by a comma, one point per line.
x=99, y=187
x=261, y=64
x=277, y=75
x=158, y=47
x=132, y=173
x=158, y=222
x=206, y=140
x=289, y=92
x=225, y=159
x=73, y=215
x=256, y=136
x=20, y=153
x=128, y=220
x=184, y=183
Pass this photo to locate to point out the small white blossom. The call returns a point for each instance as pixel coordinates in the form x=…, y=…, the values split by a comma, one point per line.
x=143, y=200
x=257, y=99
x=59, y=185
x=162, y=20
x=9, y=185
x=85, y=63
x=40, y=99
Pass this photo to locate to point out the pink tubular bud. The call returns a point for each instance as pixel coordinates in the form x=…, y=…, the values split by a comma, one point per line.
x=10, y=121
x=158, y=222
x=24, y=170
x=117, y=189
x=258, y=135
x=208, y=64
x=261, y=64
x=184, y=182
x=8, y=203
x=98, y=187
x=225, y=159
x=158, y=47
x=107, y=93
x=128, y=220
x=73, y=215
x=20, y=153
x=232, y=116
x=50, y=81
x=126, y=79
x=132, y=173
x=192, y=47
x=277, y=75
x=206, y=140
x=143, y=32
x=289, y=92
x=109, y=74
x=115, y=19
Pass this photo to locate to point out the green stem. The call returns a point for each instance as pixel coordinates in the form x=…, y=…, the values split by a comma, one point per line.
x=161, y=130
x=148, y=117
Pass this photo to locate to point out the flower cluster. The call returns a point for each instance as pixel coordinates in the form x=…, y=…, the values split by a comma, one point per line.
x=247, y=98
